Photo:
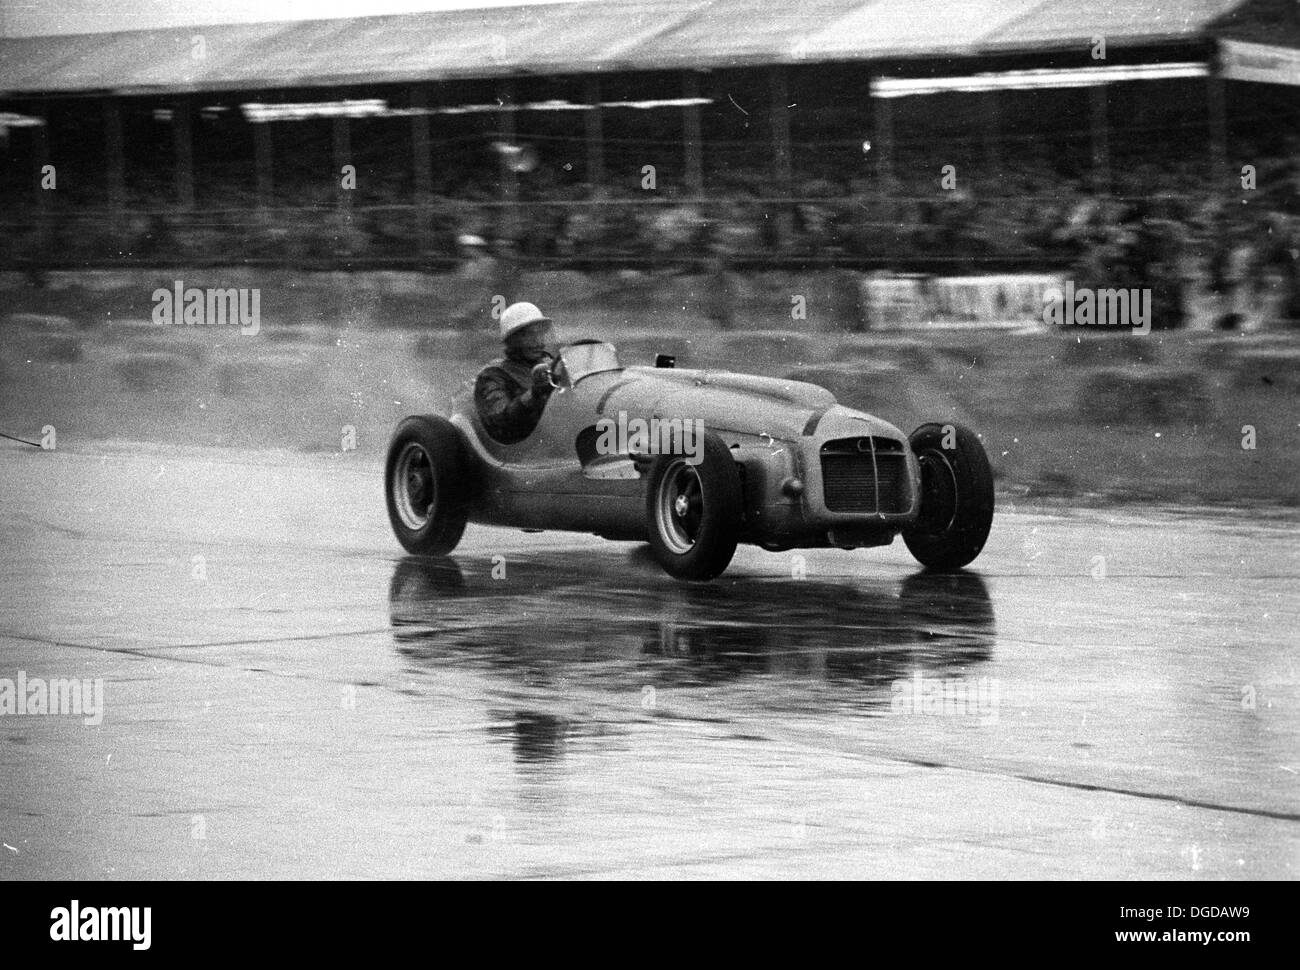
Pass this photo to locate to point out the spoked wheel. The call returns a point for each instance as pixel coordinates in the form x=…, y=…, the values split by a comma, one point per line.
x=425, y=485
x=693, y=511
x=956, y=497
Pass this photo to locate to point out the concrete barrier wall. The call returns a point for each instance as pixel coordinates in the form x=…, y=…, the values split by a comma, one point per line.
x=808, y=302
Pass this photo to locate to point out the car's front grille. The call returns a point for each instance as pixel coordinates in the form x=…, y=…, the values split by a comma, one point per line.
x=849, y=483
x=854, y=479
x=891, y=483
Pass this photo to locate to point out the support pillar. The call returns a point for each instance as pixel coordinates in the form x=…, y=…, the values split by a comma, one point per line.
x=342, y=143
x=595, y=135
x=782, y=163
x=692, y=138
x=421, y=168
x=1100, y=137
x=115, y=158
x=263, y=166
x=183, y=152
x=508, y=224
x=1218, y=125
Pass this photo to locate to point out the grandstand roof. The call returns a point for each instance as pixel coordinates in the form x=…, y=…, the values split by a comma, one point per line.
x=608, y=35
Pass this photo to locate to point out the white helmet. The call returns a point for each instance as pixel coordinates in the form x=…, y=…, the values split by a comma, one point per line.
x=519, y=315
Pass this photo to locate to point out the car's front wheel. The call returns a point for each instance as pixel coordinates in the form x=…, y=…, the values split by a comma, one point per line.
x=425, y=484
x=693, y=511
x=956, y=497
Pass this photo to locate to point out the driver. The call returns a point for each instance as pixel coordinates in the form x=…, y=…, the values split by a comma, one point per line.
x=511, y=392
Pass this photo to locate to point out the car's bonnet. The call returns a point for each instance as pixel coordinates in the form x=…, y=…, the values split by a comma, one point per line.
x=722, y=400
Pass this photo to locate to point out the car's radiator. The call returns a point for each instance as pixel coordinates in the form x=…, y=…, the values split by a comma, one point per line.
x=864, y=475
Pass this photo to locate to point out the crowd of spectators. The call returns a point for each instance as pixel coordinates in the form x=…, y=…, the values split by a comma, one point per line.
x=1153, y=221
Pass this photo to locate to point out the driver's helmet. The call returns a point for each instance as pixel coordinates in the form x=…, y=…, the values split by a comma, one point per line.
x=519, y=315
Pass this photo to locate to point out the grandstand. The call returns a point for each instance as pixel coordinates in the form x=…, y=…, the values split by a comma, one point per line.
x=635, y=131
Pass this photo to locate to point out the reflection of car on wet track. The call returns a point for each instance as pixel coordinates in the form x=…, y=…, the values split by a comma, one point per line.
x=868, y=634
x=779, y=465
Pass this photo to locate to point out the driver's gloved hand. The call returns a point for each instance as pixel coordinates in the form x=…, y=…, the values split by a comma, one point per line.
x=541, y=375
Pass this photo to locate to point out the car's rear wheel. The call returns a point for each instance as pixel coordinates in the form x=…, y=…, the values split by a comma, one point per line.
x=956, y=497
x=693, y=511
x=425, y=481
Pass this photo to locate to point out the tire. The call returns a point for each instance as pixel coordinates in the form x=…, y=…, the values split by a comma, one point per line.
x=693, y=511
x=426, y=485
x=956, y=497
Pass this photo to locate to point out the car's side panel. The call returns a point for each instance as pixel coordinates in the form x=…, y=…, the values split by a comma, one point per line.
x=549, y=492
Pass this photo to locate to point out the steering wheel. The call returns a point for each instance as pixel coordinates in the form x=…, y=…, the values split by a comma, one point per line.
x=559, y=374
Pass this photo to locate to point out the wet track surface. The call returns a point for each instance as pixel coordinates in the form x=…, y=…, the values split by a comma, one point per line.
x=1106, y=694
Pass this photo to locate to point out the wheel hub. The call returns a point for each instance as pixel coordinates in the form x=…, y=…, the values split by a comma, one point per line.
x=679, y=507
x=413, y=487
x=416, y=483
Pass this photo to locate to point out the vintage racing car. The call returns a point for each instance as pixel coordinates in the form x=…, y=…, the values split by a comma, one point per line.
x=779, y=464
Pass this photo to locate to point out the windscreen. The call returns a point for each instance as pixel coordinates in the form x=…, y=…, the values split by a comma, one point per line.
x=583, y=359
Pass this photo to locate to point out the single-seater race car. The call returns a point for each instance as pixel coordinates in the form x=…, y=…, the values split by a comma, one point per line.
x=694, y=462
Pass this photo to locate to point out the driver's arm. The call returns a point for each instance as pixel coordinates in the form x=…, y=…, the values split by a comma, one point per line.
x=500, y=405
